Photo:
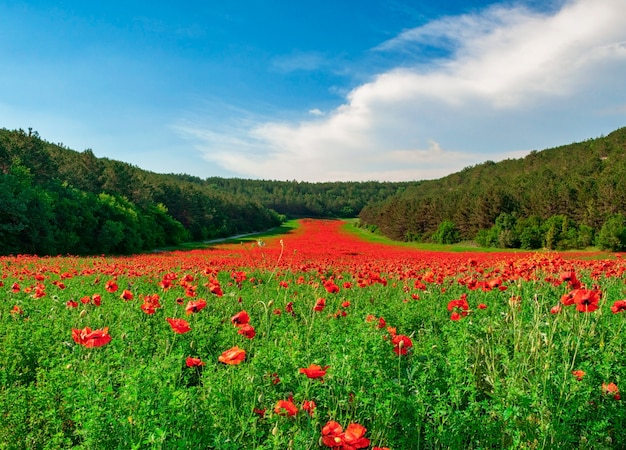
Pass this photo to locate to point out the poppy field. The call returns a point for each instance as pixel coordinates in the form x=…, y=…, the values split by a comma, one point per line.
x=313, y=339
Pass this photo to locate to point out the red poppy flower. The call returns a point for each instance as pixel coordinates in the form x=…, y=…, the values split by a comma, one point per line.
x=354, y=437
x=215, y=288
x=126, y=295
x=232, y=356
x=587, y=300
x=568, y=299
x=195, y=306
x=17, y=310
x=314, y=371
x=332, y=434
x=179, y=326
x=15, y=288
x=84, y=300
x=285, y=408
x=91, y=338
x=241, y=318
x=320, y=304
x=381, y=323
x=482, y=306
x=247, y=330
x=579, y=374
x=71, y=304
x=331, y=287
x=555, y=309
x=194, y=362
x=401, y=344
x=260, y=412
x=96, y=299
x=618, y=306
x=110, y=286
x=459, y=306
x=309, y=406
x=611, y=389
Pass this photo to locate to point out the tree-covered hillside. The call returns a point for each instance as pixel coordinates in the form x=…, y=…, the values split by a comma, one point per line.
x=557, y=198
x=56, y=200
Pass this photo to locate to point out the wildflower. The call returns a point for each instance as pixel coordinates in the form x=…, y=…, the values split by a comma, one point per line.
x=459, y=306
x=401, y=344
x=286, y=408
x=84, y=300
x=179, y=326
x=194, y=362
x=247, y=330
x=455, y=316
x=611, y=389
x=17, y=310
x=587, y=300
x=568, y=299
x=351, y=439
x=15, y=288
x=260, y=412
x=91, y=338
x=482, y=306
x=240, y=318
x=195, y=306
x=555, y=309
x=96, y=299
x=381, y=323
x=354, y=437
x=320, y=304
x=618, y=306
x=111, y=286
x=71, y=304
x=309, y=406
x=232, y=356
x=314, y=371
x=570, y=277
x=332, y=434
x=579, y=374
x=126, y=295
x=215, y=288
x=331, y=287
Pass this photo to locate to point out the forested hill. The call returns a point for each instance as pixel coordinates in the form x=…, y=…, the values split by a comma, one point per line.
x=57, y=200
x=305, y=199
x=562, y=197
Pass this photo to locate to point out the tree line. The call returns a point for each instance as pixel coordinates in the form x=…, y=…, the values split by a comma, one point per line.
x=571, y=196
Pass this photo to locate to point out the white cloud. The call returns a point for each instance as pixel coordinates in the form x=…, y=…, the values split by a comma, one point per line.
x=316, y=112
x=508, y=74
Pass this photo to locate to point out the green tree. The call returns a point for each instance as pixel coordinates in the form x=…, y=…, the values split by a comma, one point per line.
x=612, y=235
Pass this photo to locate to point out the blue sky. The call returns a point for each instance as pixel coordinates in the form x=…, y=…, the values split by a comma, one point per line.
x=313, y=91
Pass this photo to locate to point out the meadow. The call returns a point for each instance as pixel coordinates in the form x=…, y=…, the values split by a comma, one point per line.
x=313, y=338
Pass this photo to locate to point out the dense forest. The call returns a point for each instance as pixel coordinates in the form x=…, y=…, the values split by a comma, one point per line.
x=56, y=200
x=572, y=196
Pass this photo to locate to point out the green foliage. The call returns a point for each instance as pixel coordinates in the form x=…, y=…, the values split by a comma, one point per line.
x=612, y=236
x=55, y=200
x=447, y=233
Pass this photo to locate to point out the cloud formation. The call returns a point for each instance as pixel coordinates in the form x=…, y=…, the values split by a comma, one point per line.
x=507, y=77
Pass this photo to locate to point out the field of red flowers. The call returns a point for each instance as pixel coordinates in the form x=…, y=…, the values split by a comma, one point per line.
x=312, y=339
